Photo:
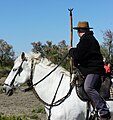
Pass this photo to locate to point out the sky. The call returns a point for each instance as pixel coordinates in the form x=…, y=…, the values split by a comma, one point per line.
x=25, y=21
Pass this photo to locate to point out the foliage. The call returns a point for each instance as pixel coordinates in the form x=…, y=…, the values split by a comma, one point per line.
x=4, y=117
x=40, y=109
x=6, y=53
x=33, y=116
x=108, y=45
x=53, y=52
x=104, y=51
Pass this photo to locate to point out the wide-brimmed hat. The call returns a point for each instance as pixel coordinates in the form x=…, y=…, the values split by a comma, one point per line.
x=82, y=25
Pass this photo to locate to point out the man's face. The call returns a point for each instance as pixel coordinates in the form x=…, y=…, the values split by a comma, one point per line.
x=78, y=33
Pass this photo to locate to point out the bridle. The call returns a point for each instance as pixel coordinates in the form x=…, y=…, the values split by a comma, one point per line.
x=18, y=73
x=53, y=103
x=31, y=85
x=19, y=70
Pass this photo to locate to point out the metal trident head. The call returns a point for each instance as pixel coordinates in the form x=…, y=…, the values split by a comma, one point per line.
x=70, y=9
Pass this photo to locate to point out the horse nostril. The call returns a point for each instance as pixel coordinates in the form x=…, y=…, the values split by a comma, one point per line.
x=4, y=89
x=10, y=92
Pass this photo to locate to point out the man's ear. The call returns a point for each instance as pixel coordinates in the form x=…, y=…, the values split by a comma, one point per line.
x=23, y=56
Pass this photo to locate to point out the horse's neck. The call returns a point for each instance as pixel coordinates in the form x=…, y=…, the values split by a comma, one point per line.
x=47, y=88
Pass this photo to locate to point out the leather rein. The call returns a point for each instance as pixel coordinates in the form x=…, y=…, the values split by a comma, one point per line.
x=53, y=104
x=31, y=85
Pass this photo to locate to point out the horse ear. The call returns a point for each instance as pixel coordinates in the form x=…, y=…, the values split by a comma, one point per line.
x=23, y=56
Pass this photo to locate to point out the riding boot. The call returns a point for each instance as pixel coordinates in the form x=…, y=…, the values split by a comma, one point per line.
x=105, y=116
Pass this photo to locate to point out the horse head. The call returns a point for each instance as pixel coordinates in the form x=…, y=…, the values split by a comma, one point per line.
x=20, y=73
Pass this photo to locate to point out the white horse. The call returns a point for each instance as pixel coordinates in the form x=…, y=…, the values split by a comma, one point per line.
x=32, y=66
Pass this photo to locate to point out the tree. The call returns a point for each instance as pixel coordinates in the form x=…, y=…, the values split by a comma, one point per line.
x=104, y=51
x=37, y=47
x=6, y=53
x=53, y=52
x=107, y=44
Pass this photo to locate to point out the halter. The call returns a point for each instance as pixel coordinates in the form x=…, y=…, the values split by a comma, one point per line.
x=18, y=72
x=53, y=103
x=31, y=85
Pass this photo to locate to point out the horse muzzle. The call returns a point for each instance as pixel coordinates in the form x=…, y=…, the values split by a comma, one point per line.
x=8, y=90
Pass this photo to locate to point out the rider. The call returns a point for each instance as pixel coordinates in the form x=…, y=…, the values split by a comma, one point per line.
x=88, y=58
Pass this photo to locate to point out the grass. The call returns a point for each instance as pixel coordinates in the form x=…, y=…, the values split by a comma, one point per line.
x=1, y=91
x=40, y=109
x=37, y=111
x=32, y=116
x=4, y=117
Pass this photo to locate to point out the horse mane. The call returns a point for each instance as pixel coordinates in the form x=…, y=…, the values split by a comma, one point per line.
x=44, y=61
x=47, y=63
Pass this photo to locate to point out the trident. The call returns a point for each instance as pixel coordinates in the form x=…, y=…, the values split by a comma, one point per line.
x=71, y=42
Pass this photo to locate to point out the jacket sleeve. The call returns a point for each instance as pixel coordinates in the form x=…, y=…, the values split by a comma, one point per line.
x=73, y=53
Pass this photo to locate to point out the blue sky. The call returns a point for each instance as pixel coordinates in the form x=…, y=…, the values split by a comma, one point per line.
x=25, y=21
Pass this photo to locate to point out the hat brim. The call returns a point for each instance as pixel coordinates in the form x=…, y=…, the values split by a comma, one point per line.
x=77, y=28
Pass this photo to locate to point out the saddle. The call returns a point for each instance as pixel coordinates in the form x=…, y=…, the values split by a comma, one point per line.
x=78, y=82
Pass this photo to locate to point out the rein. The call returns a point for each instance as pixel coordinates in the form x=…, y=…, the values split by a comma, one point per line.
x=58, y=102
x=30, y=87
x=53, y=104
x=54, y=97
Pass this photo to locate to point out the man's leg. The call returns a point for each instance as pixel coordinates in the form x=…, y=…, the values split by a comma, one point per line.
x=91, y=84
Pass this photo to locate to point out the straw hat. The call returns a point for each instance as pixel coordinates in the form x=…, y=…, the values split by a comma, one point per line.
x=82, y=25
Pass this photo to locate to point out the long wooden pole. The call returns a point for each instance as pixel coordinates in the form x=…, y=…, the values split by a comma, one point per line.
x=71, y=27
x=71, y=41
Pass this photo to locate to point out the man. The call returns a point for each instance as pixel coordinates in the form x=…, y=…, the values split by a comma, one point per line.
x=107, y=67
x=88, y=57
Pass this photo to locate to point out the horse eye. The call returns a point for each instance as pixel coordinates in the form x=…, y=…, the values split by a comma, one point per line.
x=20, y=69
x=25, y=59
x=15, y=69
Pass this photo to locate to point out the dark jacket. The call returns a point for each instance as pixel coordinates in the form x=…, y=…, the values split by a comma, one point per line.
x=87, y=55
